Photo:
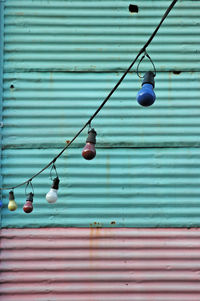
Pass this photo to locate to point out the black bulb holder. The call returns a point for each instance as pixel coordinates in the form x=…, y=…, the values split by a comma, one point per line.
x=30, y=197
x=55, y=184
x=11, y=196
x=91, y=136
x=149, y=78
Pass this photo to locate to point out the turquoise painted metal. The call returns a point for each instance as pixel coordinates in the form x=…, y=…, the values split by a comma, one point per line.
x=1, y=90
x=121, y=187
x=90, y=35
x=61, y=59
x=43, y=110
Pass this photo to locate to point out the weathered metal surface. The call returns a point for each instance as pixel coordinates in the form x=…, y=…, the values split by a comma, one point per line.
x=132, y=181
x=1, y=88
x=98, y=35
x=45, y=109
x=132, y=187
x=100, y=264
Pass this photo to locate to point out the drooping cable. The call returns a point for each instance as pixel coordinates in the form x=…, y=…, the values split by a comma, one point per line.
x=143, y=49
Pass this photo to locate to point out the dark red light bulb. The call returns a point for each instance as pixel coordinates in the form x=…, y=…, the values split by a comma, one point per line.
x=28, y=206
x=89, y=151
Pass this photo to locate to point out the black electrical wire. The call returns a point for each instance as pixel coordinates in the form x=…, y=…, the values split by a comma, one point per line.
x=143, y=49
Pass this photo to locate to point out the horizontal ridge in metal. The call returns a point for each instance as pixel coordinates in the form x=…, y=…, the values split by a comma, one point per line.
x=121, y=187
x=100, y=264
x=60, y=60
x=98, y=36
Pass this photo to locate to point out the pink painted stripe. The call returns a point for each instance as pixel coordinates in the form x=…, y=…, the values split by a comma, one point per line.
x=119, y=264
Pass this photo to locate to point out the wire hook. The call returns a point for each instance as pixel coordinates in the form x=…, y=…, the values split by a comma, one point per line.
x=29, y=183
x=53, y=167
x=148, y=56
x=89, y=127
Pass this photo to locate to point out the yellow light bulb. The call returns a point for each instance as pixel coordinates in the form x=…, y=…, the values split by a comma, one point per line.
x=12, y=206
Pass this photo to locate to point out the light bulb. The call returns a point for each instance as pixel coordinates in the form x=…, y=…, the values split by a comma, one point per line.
x=12, y=206
x=146, y=96
x=89, y=151
x=28, y=206
x=52, y=195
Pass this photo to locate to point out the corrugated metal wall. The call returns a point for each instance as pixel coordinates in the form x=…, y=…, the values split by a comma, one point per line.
x=101, y=35
x=100, y=265
x=61, y=59
x=123, y=188
x=43, y=110
x=1, y=90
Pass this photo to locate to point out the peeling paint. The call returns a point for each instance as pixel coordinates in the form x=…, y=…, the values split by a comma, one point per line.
x=96, y=225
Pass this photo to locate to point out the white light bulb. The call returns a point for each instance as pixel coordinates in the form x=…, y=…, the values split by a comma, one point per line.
x=52, y=196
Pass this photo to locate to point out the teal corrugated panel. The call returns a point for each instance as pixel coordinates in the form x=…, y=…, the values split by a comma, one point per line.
x=1, y=88
x=119, y=188
x=98, y=35
x=46, y=109
x=61, y=60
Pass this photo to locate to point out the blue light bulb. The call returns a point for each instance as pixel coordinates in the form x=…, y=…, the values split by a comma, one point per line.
x=146, y=96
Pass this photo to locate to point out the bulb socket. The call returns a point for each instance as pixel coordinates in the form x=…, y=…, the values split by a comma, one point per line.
x=149, y=78
x=55, y=184
x=30, y=197
x=91, y=136
x=11, y=196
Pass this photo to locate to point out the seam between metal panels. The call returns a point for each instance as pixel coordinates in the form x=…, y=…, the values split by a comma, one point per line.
x=90, y=71
x=101, y=147
x=1, y=84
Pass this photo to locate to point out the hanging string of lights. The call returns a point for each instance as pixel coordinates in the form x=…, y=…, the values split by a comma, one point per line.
x=145, y=97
